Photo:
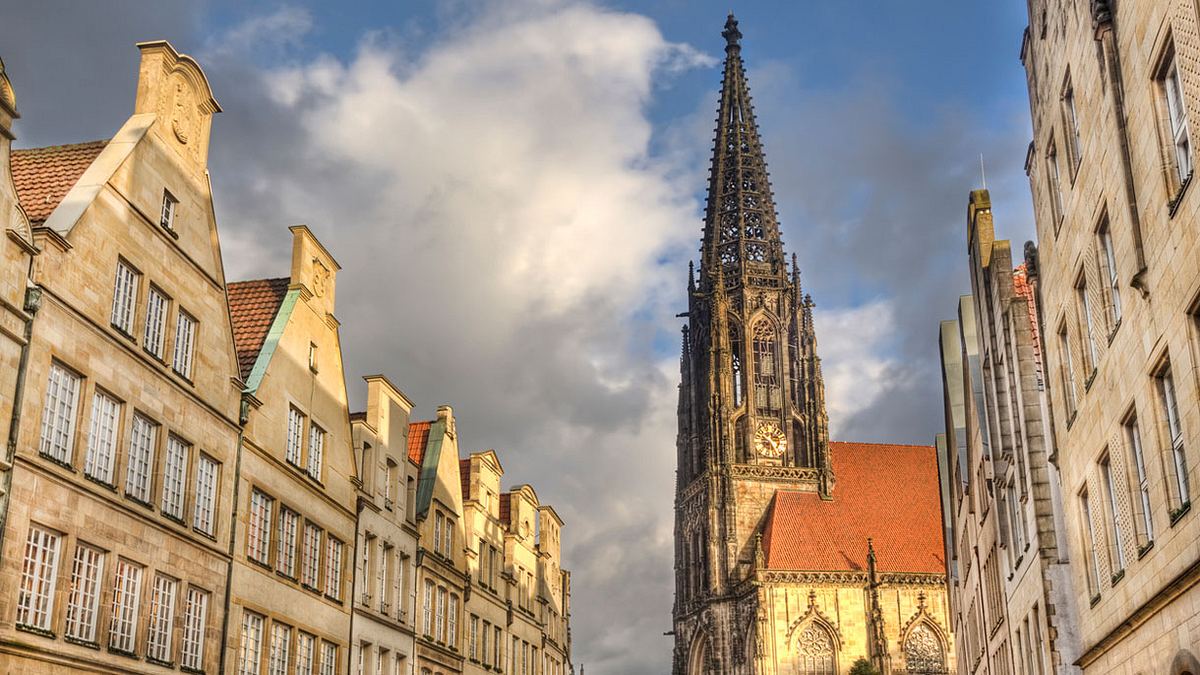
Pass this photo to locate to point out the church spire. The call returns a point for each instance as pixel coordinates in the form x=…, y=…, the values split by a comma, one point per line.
x=741, y=229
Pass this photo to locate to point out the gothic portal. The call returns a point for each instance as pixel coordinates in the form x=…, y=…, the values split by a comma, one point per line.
x=793, y=554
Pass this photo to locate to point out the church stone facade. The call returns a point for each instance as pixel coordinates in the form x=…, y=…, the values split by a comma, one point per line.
x=793, y=554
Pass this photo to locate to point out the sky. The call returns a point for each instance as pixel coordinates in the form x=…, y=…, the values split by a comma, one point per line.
x=514, y=189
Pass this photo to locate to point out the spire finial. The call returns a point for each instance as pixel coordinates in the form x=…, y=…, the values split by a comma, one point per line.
x=731, y=33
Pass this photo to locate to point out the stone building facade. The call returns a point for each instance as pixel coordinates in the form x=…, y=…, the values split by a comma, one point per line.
x=116, y=534
x=788, y=558
x=1114, y=92
x=385, y=565
x=1011, y=590
x=296, y=502
x=184, y=487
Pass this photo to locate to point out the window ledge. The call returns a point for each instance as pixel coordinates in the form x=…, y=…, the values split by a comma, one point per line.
x=1116, y=578
x=101, y=482
x=1112, y=334
x=1173, y=205
x=189, y=669
x=1143, y=550
x=1094, y=601
x=54, y=460
x=1179, y=513
x=165, y=664
x=122, y=652
x=1091, y=378
x=36, y=631
x=90, y=644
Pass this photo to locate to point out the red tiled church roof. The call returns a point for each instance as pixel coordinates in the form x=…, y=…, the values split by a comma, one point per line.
x=889, y=493
x=418, y=437
x=43, y=176
x=252, y=309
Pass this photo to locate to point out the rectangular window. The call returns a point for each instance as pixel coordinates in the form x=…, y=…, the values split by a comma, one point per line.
x=1084, y=308
x=483, y=643
x=39, y=574
x=1067, y=371
x=125, y=289
x=310, y=560
x=185, y=337
x=328, y=658
x=84, y=602
x=448, y=533
x=306, y=652
x=1072, y=123
x=295, y=437
x=1089, y=545
x=167, y=218
x=1116, y=541
x=258, y=539
x=285, y=557
x=452, y=621
x=385, y=577
x=1177, y=116
x=59, y=414
x=102, y=438
x=203, y=514
x=440, y=616
x=316, y=450
x=333, y=568
x=142, y=440
x=174, y=476
x=1108, y=267
x=1170, y=407
x=473, y=637
x=250, y=659
x=162, y=620
x=427, y=609
x=1016, y=521
x=281, y=646
x=127, y=589
x=438, y=524
x=195, y=619
x=498, y=646
x=1055, y=186
x=1133, y=437
x=156, y=322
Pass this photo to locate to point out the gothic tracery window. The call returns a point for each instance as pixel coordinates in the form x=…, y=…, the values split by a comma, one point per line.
x=766, y=370
x=923, y=653
x=814, y=651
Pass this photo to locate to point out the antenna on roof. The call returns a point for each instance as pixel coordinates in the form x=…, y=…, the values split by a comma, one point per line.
x=982, y=171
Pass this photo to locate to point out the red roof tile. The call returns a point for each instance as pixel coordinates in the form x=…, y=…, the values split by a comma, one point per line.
x=252, y=308
x=464, y=471
x=505, y=508
x=889, y=493
x=43, y=176
x=418, y=437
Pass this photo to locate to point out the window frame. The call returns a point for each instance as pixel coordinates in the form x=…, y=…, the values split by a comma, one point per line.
x=36, y=591
x=184, y=348
x=60, y=415
x=99, y=462
x=123, y=313
x=154, y=333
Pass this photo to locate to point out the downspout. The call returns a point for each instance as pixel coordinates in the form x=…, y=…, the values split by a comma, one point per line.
x=1106, y=33
x=243, y=417
x=33, y=302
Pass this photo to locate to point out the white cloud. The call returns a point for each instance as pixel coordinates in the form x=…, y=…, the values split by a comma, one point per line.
x=853, y=344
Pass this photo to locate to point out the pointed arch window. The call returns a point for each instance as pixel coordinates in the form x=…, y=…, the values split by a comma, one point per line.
x=814, y=651
x=766, y=370
x=923, y=653
x=735, y=357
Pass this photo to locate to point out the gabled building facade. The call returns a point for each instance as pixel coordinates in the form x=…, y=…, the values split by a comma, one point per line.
x=296, y=501
x=1012, y=595
x=386, y=541
x=117, y=507
x=442, y=581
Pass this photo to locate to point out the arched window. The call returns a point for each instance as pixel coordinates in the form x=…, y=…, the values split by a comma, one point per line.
x=923, y=653
x=766, y=370
x=735, y=355
x=814, y=651
x=696, y=663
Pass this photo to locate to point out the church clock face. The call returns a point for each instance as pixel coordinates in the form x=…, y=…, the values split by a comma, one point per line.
x=769, y=440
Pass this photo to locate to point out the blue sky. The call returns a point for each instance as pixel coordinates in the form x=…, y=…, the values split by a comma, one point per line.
x=514, y=189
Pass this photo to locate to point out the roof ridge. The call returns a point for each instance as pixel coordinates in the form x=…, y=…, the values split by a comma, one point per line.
x=894, y=445
x=61, y=146
x=251, y=281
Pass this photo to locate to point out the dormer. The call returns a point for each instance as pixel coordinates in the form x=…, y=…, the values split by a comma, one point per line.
x=314, y=271
x=173, y=87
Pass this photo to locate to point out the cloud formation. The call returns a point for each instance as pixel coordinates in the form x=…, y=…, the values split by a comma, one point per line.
x=514, y=225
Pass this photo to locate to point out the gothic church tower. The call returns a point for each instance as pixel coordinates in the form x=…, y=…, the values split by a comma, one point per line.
x=752, y=400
